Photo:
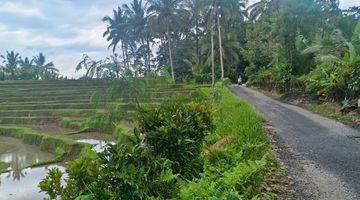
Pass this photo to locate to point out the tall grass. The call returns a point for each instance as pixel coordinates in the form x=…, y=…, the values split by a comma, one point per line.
x=237, y=155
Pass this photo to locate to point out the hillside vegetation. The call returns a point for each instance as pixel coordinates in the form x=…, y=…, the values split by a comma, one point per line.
x=201, y=145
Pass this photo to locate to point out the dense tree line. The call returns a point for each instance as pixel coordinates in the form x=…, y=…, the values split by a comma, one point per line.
x=281, y=44
x=14, y=67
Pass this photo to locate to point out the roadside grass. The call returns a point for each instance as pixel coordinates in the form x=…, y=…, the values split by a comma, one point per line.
x=332, y=112
x=326, y=109
x=238, y=155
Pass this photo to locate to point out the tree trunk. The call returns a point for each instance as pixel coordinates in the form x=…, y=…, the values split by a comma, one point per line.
x=212, y=56
x=148, y=56
x=220, y=47
x=170, y=56
x=123, y=55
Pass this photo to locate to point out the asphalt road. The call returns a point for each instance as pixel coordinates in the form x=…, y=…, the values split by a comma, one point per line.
x=321, y=156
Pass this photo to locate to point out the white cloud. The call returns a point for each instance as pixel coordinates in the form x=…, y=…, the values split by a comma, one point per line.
x=20, y=9
x=349, y=3
x=91, y=37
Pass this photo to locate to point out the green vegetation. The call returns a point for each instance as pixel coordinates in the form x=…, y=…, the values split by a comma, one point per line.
x=182, y=149
x=3, y=166
x=305, y=46
x=203, y=143
x=16, y=68
x=316, y=50
x=237, y=154
x=333, y=112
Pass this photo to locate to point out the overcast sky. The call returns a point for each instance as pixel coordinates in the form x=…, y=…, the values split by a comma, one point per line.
x=62, y=29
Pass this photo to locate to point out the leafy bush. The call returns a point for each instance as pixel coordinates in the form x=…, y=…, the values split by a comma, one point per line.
x=335, y=80
x=120, y=172
x=354, y=81
x=175, y=130
x=52, y=183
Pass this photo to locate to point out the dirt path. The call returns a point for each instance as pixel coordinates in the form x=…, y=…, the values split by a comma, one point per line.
x=321, y=156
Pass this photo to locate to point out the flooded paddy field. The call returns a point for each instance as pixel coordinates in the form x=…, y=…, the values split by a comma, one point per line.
x=21, y=181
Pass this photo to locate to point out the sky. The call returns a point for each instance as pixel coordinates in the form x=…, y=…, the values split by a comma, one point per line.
x=64, y=30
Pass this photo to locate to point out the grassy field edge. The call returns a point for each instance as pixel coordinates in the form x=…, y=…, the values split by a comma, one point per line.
x=238, y=155
x=63, y=148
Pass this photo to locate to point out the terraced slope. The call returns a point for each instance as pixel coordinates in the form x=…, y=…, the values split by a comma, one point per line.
x=41, y=105
x=45, y=102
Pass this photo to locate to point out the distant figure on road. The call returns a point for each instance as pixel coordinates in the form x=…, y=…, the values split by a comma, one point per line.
x=239, y=80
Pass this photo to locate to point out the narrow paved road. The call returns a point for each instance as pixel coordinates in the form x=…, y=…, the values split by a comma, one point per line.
x=321, y=156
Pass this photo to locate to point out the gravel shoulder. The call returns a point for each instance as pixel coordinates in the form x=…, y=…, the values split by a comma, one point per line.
x=321, y=156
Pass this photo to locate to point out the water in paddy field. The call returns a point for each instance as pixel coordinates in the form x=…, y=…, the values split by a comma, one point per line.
x=27, y=186
x=19, y=183
x=98, y=145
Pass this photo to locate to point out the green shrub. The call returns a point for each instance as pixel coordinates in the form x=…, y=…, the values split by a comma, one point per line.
x=354, y=80
x=327, y=80
x=52, y=183
x=120, y=172
x=175, y=130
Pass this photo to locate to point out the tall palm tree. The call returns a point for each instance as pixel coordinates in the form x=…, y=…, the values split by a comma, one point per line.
x=256, y=10
x=28, y=70
x=117, y=31
x=164, y=15
x=140, y=29
x=11, y=61
x=196, y=10
x=44, y=70
x=227, y=11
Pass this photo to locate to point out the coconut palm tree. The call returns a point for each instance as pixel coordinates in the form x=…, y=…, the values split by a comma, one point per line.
x=226, y=12
x=196, y=11
x=44, y=70
x=89, y=65
x=140, y=30
x=165, y=15
x=28, y=70
x=117, y=31
x=11, y=62
x=256, y=10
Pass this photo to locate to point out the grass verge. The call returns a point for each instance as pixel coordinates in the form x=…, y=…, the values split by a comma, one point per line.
x=238, y=155
x=332, y=112
x=326, y=109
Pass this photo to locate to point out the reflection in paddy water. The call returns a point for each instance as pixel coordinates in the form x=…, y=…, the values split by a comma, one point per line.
x=19, y=183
